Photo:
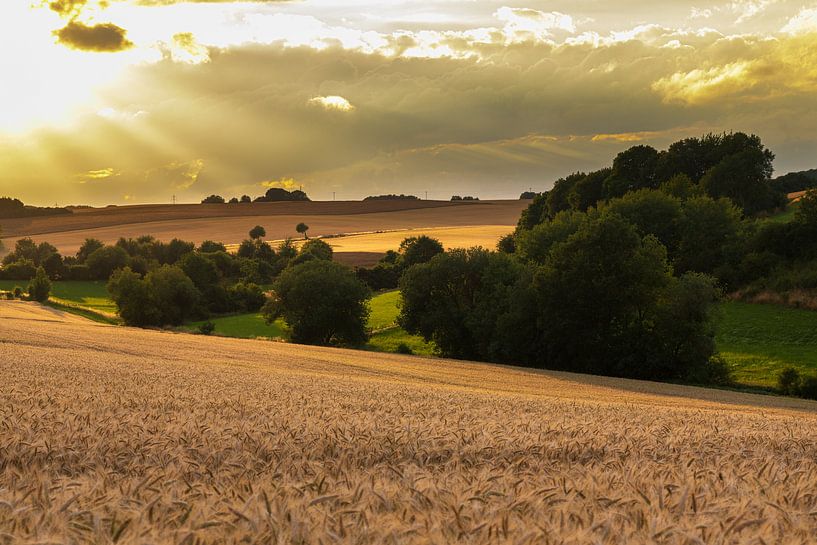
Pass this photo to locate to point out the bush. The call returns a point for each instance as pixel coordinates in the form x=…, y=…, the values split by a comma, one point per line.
x=18, y=292
x=20, y=270
x=248, y=297
x=213, y=199
x=207, y=328
x=808, y=387
x=77, y=272
x=166, y=296
x=323, y=302
x=40, y=287
x=403, y=348
x=788, y=382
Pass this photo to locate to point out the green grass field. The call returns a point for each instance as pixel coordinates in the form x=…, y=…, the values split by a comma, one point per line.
x=245, y=326
x=758, y=341
x=91, y=294
x=785, y=216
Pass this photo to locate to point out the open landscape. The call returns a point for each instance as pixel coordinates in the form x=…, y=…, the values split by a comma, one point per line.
x=480, y=222
x=399, y=272
x=145, y=436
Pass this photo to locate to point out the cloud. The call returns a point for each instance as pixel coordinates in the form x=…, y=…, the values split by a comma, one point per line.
x=803, y=22
x=284, y=183
x=101, y=38
x=333, y=102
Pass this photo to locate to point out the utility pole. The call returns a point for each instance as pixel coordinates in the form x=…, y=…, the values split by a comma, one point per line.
x=426, y=195
x=174, y=199
x=333, y=195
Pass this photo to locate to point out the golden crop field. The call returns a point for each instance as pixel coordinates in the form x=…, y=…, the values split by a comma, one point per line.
x=230, y=223
x=110, y=434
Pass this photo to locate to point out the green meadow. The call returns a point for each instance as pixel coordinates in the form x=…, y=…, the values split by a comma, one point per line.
x=757, y=341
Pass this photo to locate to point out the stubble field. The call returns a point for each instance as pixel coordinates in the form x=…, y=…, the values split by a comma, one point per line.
x=119, y=435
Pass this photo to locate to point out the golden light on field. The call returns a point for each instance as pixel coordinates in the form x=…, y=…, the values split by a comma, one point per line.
x=145, y=436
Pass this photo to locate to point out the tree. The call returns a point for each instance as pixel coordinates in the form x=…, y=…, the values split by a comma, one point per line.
x=634, y=169
x=104, y=261
x=419, y=249
x=257, y=232
x=234, y=200
x=314, y=249
x=709, y=231
x=88, y=247
x=40, y=287
x=133, y=299
x=744, y=178
x=213, y=199
x=302, y=228
x=208, y=247
x=598, y=294
x=471, y=303
x=534, y=245
x=323, y=302
x=652, y=213
x=245, y=199
x=174, y=294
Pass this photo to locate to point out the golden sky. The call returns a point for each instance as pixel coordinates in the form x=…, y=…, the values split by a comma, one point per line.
x=122, y=101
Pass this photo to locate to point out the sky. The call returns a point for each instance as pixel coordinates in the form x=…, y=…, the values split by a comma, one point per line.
x=133, y=101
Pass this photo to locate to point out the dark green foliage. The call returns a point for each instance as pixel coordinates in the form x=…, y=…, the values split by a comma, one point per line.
x=14, y=208
x=40, y=287
x=104, y=261
x=534, y=245
x=166, y=296
x=464, y=300
x=744, y=179
x=795, y=181
x=213, y=199
x=276, y=194
x=314, y=249
x=808, y=387
x=23, y=269
x=392, y=197
x=257, y=232
x=382, y=276
x=682, y=187
x=506, y=244
x=302, y=228
x=710, y=231
x=207, y=328
x=652, y=213
x=788, y=383
x=588, y=191
x=403, y=348
x=420, y=249
x=209, y=247
x=323, y=302
x=247, y=297
x=88, y=247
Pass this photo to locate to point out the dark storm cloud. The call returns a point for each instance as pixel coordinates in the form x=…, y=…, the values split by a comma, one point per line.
x=101, y=38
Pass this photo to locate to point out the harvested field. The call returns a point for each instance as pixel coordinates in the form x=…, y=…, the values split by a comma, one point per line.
x=120, y=435
x=230, y=223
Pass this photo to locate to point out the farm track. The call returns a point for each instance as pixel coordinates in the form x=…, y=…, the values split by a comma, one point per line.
x=112, y=434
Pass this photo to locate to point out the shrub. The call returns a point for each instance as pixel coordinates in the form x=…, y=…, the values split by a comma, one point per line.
x=788, y=382
x=207, y=327
x=403, y=348
x=213, y=199
x=40, y=287
x=18, y=292
x=808, y=387
x=20, y=270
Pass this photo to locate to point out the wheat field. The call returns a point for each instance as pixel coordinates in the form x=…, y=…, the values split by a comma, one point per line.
x=116, y=435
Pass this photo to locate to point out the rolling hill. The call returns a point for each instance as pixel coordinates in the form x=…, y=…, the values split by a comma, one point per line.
x=230, y=223
x=112, y=434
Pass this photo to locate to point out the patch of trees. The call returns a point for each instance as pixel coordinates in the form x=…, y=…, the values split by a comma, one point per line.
x=277, y=194
x=392, y=197
x=274, y=194
x=601, y=298
x=527, y=195
x=14, y=208
x=412, y=251
x=794, y=182
x=734, y=166
x=466, y=198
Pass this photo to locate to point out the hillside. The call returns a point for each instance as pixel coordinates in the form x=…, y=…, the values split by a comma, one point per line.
x=134, y=436
x=230, y=223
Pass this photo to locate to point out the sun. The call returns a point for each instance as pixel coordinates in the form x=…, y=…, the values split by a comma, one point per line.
x=44, y=83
